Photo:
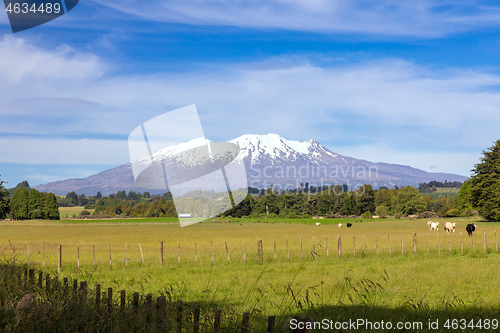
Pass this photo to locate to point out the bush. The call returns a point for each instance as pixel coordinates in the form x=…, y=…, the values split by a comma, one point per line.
x=381, y=211
x=452, y=213
x=84, y=213
x=398, y=215
x=366, y=215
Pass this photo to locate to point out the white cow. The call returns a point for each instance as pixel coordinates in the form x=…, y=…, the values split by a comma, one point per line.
x=340, y=225
x=449, y=227
x=429, y=223
x=435, y=226
x=318, y=224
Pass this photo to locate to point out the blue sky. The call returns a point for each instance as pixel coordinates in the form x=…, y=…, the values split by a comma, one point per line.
x=414, y=83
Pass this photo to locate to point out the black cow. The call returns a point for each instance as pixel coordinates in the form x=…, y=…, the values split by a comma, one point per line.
x=470, y=228
x=349, y=225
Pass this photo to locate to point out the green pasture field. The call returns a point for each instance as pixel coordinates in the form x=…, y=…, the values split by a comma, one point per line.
x=363, y=282
x=65, y=212
x=443, y=191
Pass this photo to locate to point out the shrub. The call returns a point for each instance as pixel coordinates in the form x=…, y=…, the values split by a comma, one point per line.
x=452, y=213
x=381, y=211
x=366, y=215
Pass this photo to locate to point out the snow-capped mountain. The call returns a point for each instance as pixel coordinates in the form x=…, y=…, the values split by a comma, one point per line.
x=269, y=160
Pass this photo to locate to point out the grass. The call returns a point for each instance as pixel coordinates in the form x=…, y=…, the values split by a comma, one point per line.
x=66, y=212
x=421, y=286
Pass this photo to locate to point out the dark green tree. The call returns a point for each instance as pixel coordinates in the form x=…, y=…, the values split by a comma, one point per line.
x=72, y=197
x=409, y=201
x=485, y=184
x=349, y=204
x=35, y=205
x=4, y=201
x=18, y=186
x=19, y=205
x=463, y=201
x=365, y=198
x=50, y=207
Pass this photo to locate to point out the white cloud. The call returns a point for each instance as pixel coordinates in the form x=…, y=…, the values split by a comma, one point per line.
x=395, y=103
x=388, y=17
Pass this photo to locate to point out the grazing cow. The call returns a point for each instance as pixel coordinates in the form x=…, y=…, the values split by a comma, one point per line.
x=429, y=223
x=470, y=228
x=435, y=226
x=349, y=225
x=340, y=225
x=318, y=224
x=449, y=227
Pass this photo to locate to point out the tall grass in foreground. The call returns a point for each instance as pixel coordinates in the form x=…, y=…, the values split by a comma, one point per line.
x=27, y=306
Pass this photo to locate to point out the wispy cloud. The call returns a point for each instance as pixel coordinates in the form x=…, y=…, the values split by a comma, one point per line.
x=388, y=17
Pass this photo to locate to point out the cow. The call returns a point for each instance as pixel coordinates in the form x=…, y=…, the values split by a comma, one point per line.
x=318, y=224
x=435, y=226
x=340, y=225
x=349, y=225
x=429, y=223
x=470, y=228
x=449, y=227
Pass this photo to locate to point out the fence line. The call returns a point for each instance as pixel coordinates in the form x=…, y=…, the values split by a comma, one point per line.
x=53, y=254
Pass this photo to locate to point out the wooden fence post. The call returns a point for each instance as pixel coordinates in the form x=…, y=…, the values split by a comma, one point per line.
x=314, y=249
x=13, y=255
x=179, y=252
x=123, y=298
x=212, y=251
x=354, y=246
x=110, y=299
x=109, y=246
x=288, y=252
x=78, y=255
x=245, y=326
x=135, y=300
x=244, y=254
x=196, y=318
x=260, y=250
x=439, y=245
x=402, y=248
x=161, y=251
x=195, y=255
x=66, y=287
x=217, y=320
x=271, y=320
x=227, y=252
x=389, y=242
x=59, y=260
x=376, y=241
x=40, y=279
x=43, y=255
x=275, y=250
x=414, y=243
x=126, y=255
x=98, y=295
x=326, y=244
x=179, y=316
x=301, y=258
x=339, y=243
x=461, y=244
x=142, y=254
x=485, y=246
x=365, y=244
x=83, y=291
x=496, y=244
x=93, y=251
x=161, y=309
